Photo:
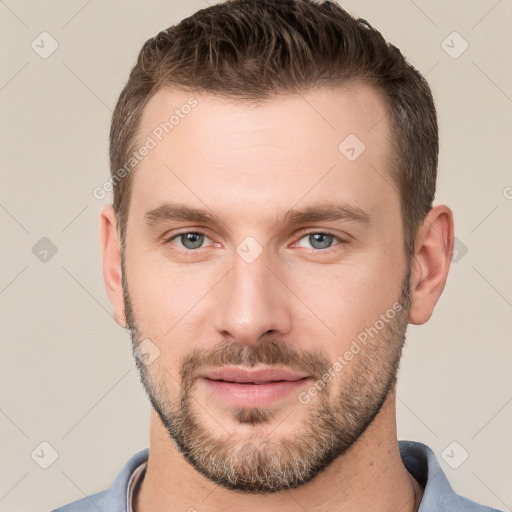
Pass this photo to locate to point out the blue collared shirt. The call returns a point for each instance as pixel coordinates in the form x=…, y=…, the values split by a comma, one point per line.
x=419, y=459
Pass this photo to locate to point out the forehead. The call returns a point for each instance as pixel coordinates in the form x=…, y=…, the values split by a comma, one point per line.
x=211, y=149
x=324, y=114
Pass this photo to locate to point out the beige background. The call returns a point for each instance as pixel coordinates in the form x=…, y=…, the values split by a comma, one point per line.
x=66, y=371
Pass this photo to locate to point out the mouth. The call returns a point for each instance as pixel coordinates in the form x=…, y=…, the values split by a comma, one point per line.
x=252, y=388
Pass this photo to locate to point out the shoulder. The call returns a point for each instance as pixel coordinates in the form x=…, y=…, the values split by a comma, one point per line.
x=93, y=503
x=113, y=499
x=438, y=494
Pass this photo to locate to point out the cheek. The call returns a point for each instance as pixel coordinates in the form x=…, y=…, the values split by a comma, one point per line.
x=164, y=295
x=346, y=299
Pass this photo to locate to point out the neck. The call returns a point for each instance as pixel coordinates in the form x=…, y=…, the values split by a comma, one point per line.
x=369, y=476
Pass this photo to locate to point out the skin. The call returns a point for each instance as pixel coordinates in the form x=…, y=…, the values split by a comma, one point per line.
x=250, y=164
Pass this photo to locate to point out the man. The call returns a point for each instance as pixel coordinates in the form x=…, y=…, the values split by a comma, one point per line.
x=272, y=234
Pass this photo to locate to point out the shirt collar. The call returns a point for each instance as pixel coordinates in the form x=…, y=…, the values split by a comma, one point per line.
x=418, y=458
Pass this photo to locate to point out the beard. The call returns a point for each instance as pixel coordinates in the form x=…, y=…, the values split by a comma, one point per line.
x=257, y=462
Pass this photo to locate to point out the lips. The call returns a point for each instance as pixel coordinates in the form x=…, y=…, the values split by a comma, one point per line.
x=252, y=376
x=250, y=388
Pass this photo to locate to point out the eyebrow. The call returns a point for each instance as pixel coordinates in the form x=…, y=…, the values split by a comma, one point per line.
x=316, y=213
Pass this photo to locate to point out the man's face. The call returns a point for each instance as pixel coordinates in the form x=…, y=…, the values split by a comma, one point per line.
x=259, y=289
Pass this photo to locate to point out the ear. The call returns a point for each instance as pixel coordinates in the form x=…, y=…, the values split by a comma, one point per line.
x=432, y=258
x=112, y=272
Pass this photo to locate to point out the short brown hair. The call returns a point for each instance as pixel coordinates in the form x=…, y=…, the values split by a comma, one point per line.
x=256, y=49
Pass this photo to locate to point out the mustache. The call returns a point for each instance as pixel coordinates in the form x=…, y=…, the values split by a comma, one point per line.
x=269, y=353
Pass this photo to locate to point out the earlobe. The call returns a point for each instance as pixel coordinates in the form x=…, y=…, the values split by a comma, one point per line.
x=432, y=258
x=111, y=258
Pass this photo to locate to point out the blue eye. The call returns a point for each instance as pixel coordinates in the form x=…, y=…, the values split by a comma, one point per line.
x=194, y=240
x=190, y=240
x=320, y=240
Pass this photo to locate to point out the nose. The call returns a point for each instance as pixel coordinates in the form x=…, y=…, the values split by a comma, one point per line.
x=253, y=303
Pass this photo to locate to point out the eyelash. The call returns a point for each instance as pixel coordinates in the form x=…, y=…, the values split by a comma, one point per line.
x=302, y=235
